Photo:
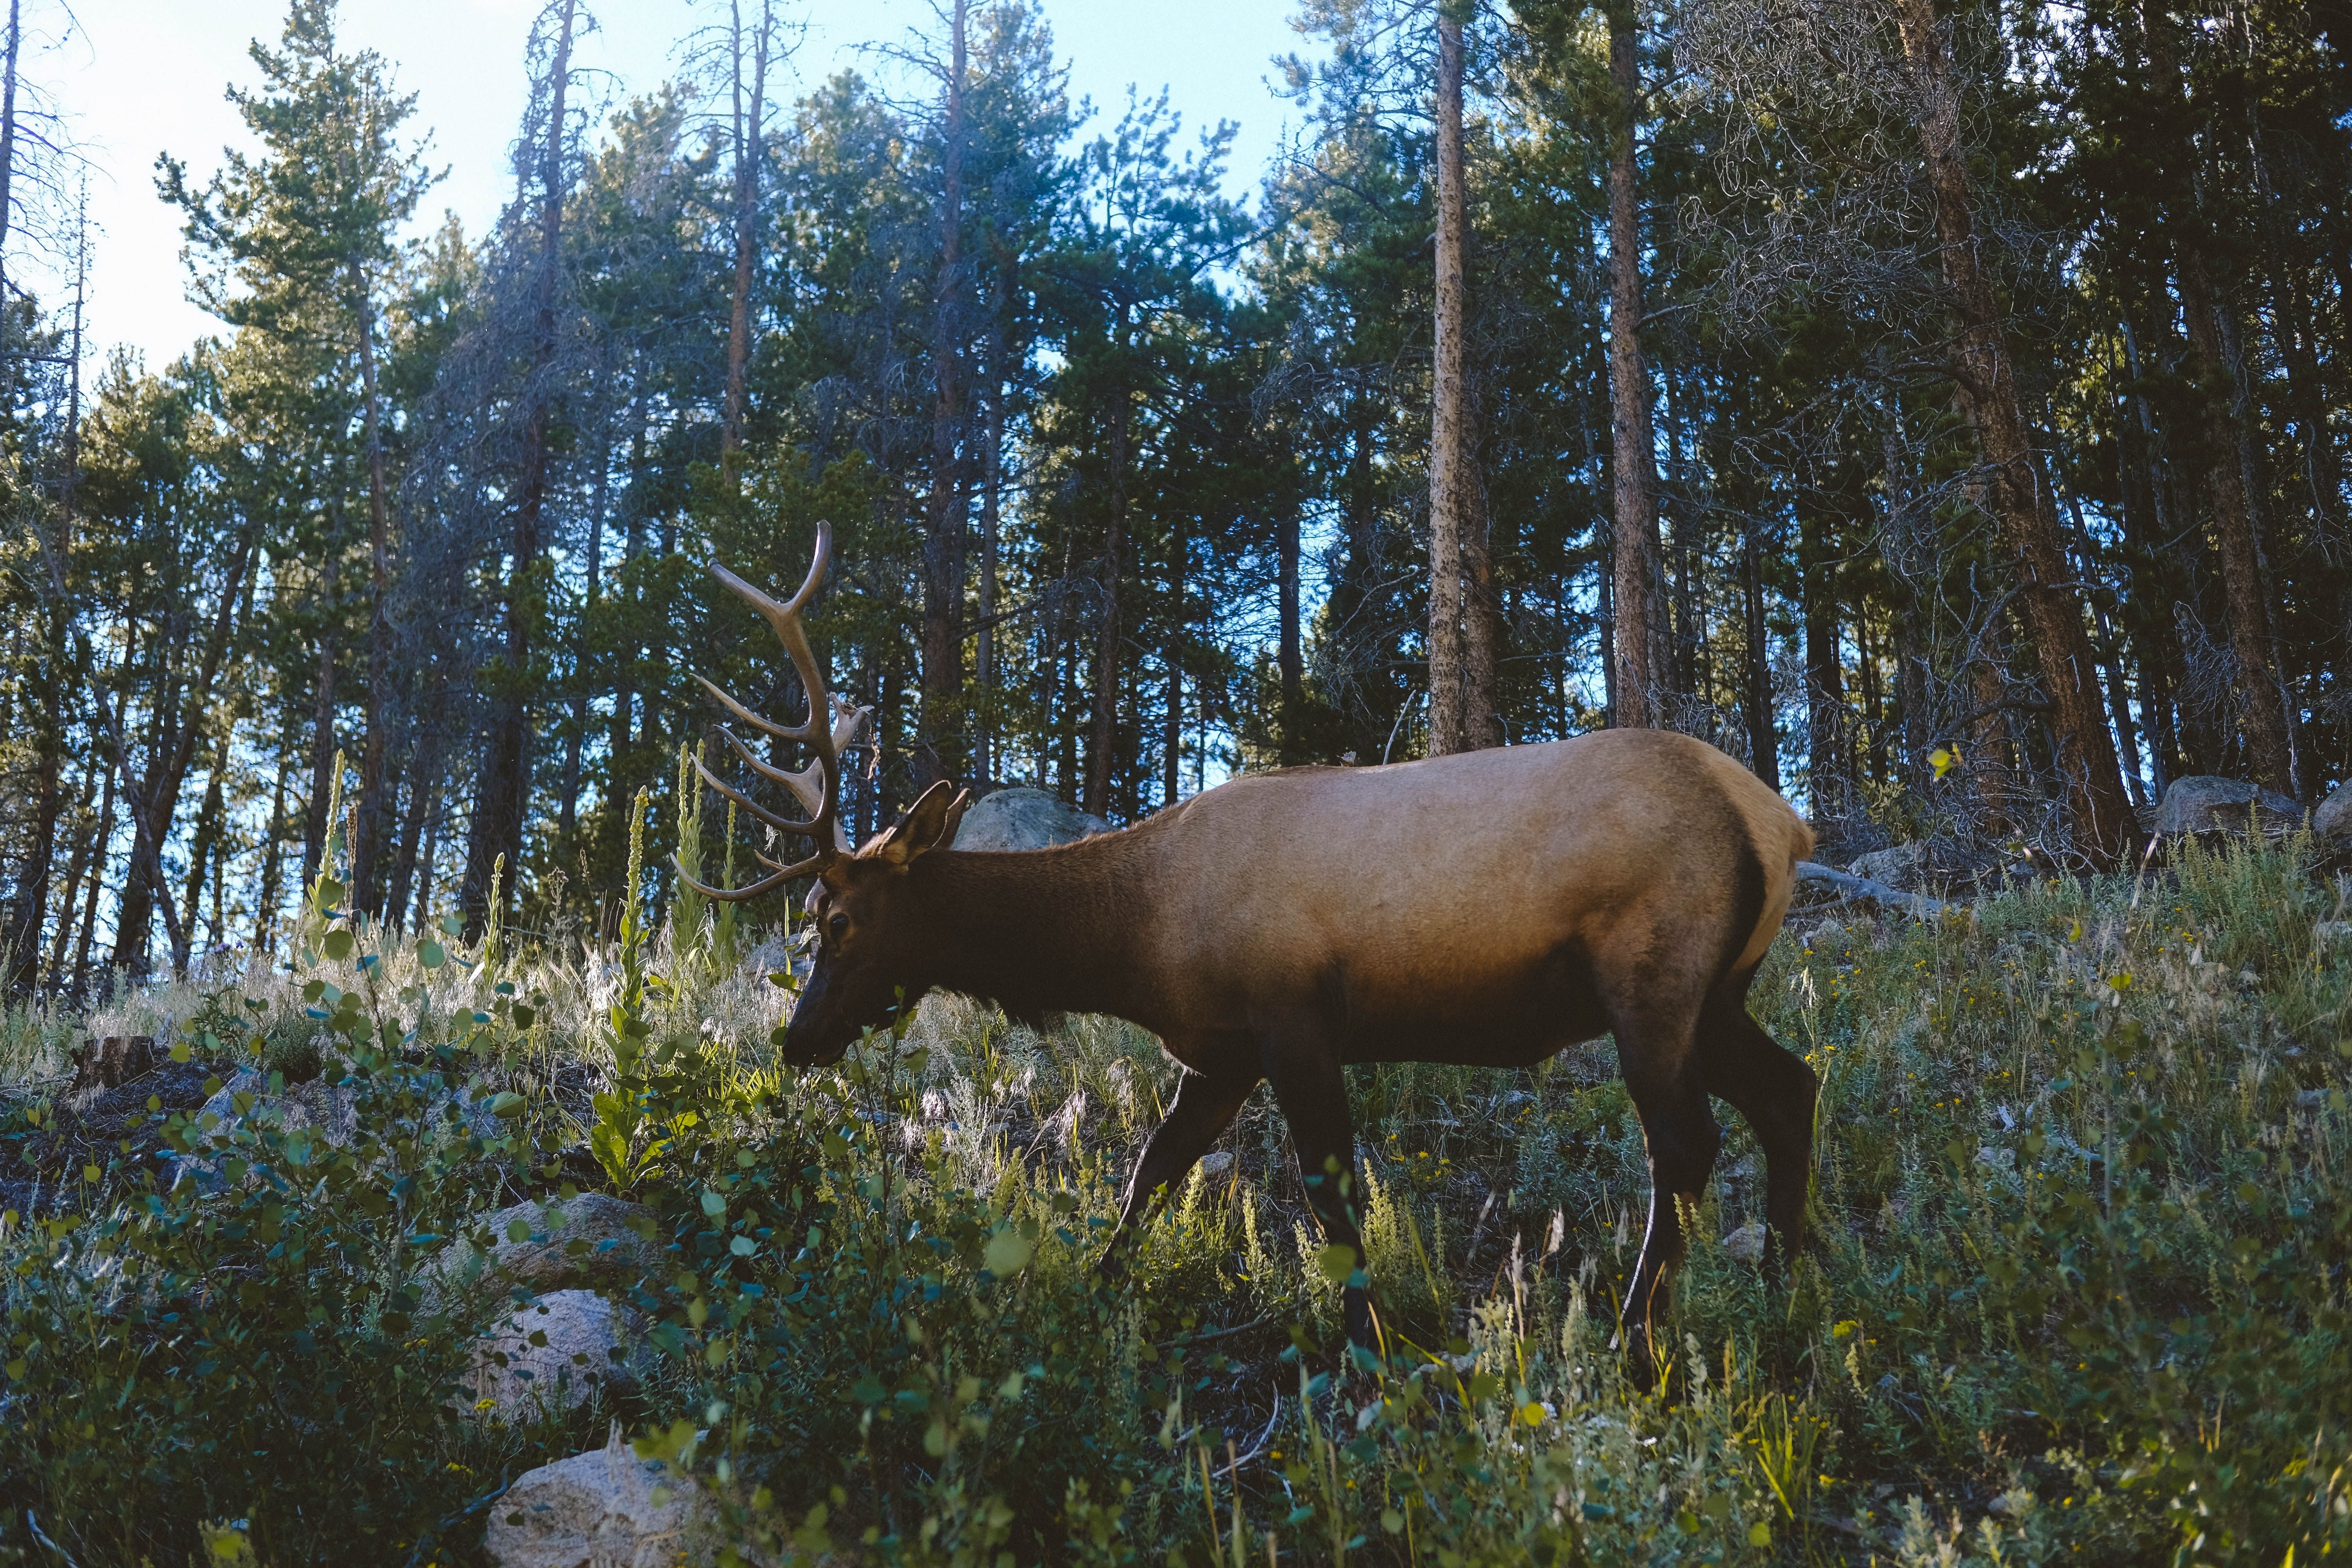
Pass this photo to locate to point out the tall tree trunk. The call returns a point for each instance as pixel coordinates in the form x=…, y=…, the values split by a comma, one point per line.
x=1450, y=500
x=750, y=139
x=8, y=135
x=1109, y=633
x=31, y=912
x=206, y=842
x=77, y=865
x=1171, y=746
x=265, y=899
x=104, y=843
x=2146, y=609
x=1763, y=734
x=985, y=760
x=2296, y=336
x=2110, y=649
x=576, y=733
x=315, y=825
x=944, y=519
x=367, y=888
x=2245, y=595
x=2098, y=811
x=414, y=833
x=497, y=829
x=1643, y=639
x=1901, y=546
x=1985, y=749
x=2265, y=717
x=1830, y=769
x=1288, y=657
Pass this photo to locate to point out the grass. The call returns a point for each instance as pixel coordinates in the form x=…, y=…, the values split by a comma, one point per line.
x=2076, y=1289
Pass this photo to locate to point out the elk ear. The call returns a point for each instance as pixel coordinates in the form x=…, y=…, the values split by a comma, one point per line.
x=925, y=826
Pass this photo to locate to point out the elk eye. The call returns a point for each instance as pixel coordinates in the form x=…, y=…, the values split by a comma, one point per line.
x=838, y=926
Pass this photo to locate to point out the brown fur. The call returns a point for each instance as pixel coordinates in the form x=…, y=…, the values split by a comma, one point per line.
x=1486, y=908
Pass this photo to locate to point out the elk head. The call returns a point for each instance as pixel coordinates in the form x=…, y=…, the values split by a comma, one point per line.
x=868, y=933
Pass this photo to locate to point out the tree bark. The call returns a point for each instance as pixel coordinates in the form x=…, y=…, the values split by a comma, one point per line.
x=1450, y=500
x=315, y=825
x=1171, y=744
x=86, y=849
x=944, y=515
x=206, y=842
x=367, y=852
x=985, y=761
x=1763, y=734
x=420, y=807
x=2261, y=695
x=500, y=805
x=1642, y=638
x=1829, y=766
x=2263, y=716
x=31, y=912
x=103, y=844
x=750, y=148
x=265, y=910
x=8, y=135
x=2098, y=813
x=1104, y=737
x=1289, y=659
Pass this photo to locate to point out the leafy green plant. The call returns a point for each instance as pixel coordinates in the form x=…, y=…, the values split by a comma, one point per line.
x=623, y=1137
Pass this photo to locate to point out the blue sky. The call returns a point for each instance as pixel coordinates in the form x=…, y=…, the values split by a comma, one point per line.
x=142, y=76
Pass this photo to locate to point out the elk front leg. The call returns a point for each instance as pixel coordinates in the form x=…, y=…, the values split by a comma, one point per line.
x=1205, y=1106
x=1311, y=1087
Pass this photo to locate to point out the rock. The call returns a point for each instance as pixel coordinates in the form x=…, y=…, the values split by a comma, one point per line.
x=327, y=1109
x=1216, y=1163
x=2201, y=804
x=1023, y=820
x=2333, y=820
x=331, y=1110
x=605, y=1506
x=1746, y=1245
x=547, y=1358
x=114, y=1061
x=591, y=1241
x=1905, y=867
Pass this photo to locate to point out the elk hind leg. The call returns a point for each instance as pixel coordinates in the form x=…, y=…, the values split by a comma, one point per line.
x=1655, y=1054
x=1773, y=1088
x=1205, y=1106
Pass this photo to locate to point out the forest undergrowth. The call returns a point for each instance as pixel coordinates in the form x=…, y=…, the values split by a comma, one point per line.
x=2076, y=1288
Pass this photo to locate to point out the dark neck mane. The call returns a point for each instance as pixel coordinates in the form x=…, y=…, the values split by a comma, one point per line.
x=1040, y=932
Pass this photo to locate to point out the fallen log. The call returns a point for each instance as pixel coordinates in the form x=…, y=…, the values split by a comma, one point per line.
x=1849, y=886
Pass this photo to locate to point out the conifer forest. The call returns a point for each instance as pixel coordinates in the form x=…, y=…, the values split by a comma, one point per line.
x=1943, y=407
x=1842, y=383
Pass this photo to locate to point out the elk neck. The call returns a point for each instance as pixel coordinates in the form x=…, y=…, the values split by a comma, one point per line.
x=1041, y=931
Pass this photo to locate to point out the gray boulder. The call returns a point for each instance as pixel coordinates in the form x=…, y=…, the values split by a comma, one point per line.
x=330, y=1111
x=2202, y=804
x=547, y=1358
x=605, y=1506
x=1023, y=820
x=591, y=1241
x=1905, y=867
x=2333, y=820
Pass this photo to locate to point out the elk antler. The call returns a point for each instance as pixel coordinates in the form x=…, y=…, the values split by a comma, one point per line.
x=825, y=731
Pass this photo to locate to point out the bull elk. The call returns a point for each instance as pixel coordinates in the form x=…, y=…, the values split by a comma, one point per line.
x=1486, y=910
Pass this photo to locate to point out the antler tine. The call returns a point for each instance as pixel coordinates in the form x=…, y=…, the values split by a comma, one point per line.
x=765, y=725
x=780, y=824
x=734, y=895
x=819, y=732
